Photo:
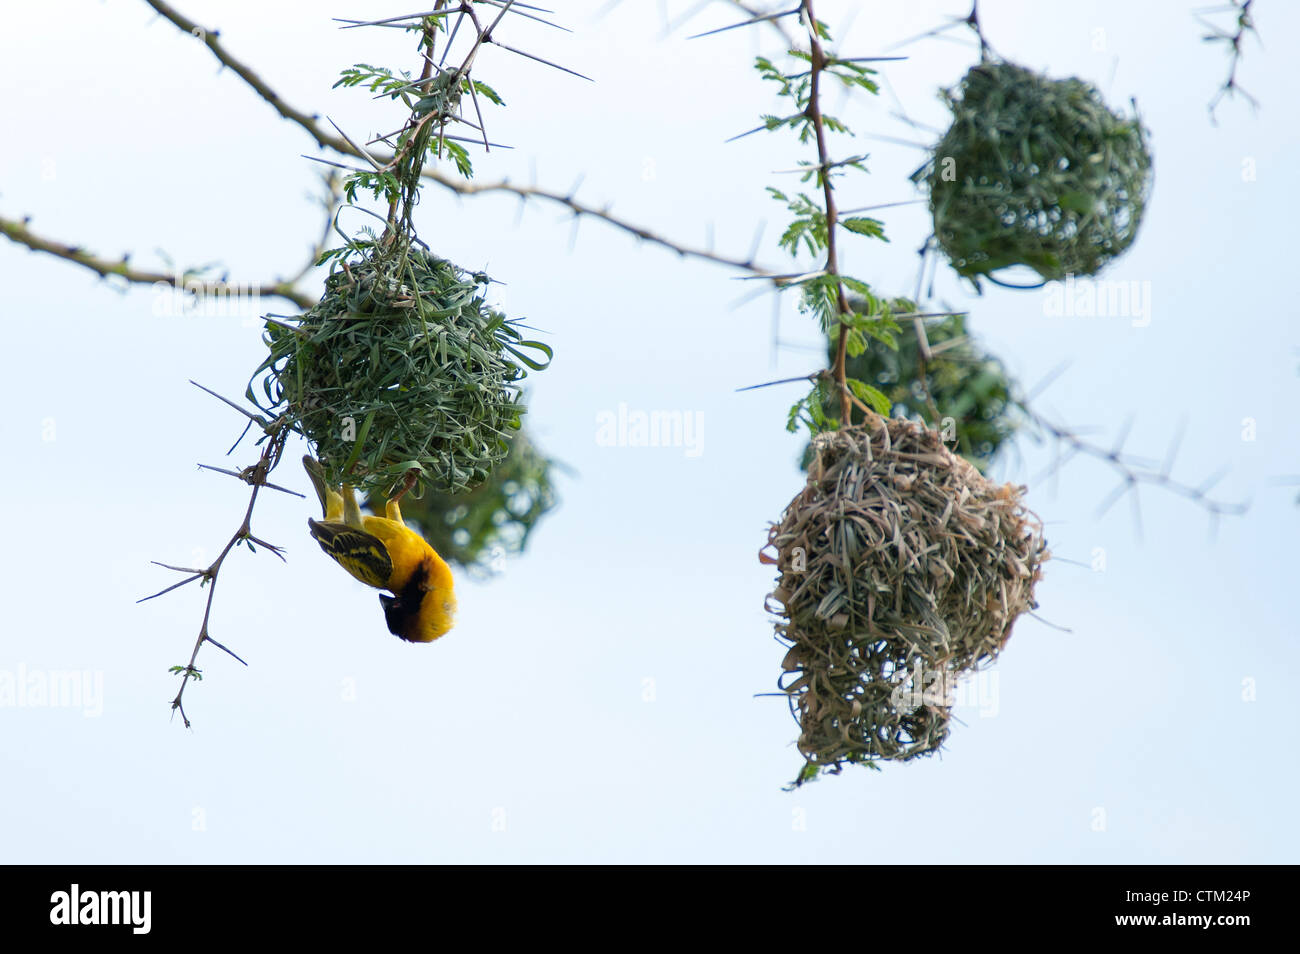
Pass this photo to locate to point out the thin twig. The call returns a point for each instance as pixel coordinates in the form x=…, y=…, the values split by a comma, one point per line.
x=757, y=18
x=276, y=435
x=814, y=112
x=1132, y=471
x=18, y=231
x=1243, y=24
x=767, y=384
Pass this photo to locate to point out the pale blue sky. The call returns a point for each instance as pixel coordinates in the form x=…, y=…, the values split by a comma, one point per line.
x=596, y=702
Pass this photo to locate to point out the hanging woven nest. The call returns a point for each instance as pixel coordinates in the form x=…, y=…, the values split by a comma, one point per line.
x=401, y=366
x=902, y=568
x=1037, y=172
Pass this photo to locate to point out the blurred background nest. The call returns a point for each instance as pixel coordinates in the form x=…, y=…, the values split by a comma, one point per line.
x=963, y=380
x=1037, y=172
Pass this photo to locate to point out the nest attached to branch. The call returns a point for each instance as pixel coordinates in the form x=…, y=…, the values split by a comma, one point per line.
x=1037, y=172
x=401, y=366
x=902, y=567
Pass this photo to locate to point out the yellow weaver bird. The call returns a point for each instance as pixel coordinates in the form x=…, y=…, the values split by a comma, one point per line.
x=385, y=553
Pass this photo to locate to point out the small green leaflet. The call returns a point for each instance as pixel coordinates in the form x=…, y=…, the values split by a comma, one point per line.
x=868, y=395
x=873, y=228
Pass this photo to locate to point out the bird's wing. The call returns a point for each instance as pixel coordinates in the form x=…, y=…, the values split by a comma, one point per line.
x=361, y=554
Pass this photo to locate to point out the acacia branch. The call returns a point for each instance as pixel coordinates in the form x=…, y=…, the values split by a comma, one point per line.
x=310, y=123
x=814, y=113
x=212, y=39
x=276, y=435
x=17, y=230
x=568, y=200
x=1131, y=471
x=1243, y=24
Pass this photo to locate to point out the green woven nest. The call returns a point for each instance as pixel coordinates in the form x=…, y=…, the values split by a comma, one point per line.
x=401, y=366
x=1042, y=173
x=899, y=563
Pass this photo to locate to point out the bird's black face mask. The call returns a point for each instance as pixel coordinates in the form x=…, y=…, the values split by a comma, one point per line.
x=402, y=612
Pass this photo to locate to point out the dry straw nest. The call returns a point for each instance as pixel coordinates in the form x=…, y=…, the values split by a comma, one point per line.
x=401, y=366
x=1037, y=172
x=900, y=565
